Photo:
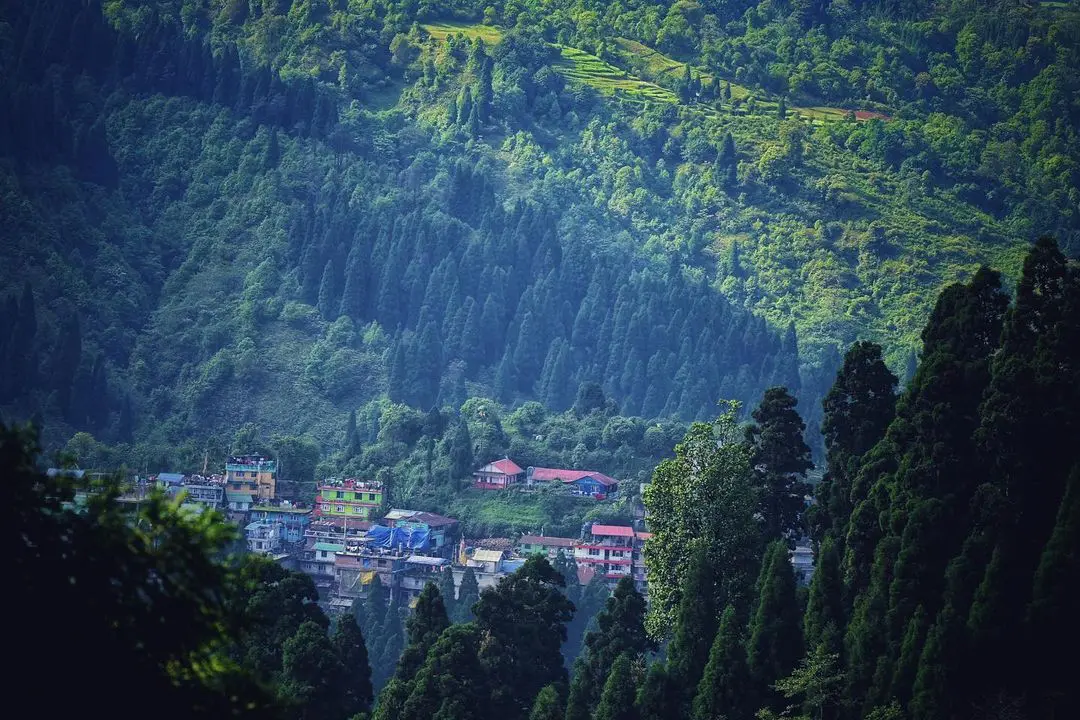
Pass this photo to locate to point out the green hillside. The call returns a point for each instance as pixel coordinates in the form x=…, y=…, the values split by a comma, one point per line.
x=275, y=214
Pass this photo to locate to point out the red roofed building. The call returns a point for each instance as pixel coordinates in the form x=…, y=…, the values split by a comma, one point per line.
x=581, y=482
x=498, y=475
x=614, y=551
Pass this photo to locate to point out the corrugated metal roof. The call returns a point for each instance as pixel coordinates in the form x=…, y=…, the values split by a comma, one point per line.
x=613, y=530
x=547, y=540
x=487, y=555
x=329, y=547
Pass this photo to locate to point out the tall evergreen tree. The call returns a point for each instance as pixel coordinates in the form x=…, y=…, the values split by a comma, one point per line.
x=617, y=699
x=1051, y=618
x=725, y=688
x=523, y=618
x=695, y=626
x=468, y=595
x=824, y=620
x=448, y=591
x=312, y=673
x=352, y=437
x=780, y=460
x=577, y=703
x=620, y=629
x=776, y=641
x=425, y=624
x=858, y=409
x=348, y=642
x=461, y=453
x=658, y=697
x=328, y=301
x=451, y=683
x=548, y=705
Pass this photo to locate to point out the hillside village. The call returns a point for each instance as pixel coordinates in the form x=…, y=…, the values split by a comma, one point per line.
x=347, y=537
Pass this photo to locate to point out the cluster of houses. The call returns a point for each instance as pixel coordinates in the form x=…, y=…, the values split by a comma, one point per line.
x=345, y=539
x=505, y=473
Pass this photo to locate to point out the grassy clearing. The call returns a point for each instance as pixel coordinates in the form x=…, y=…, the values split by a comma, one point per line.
x=490, y=34
x=508, y=512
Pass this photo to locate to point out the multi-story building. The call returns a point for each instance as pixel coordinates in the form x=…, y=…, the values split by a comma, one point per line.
x=206, y=491
x=607, y=550
x=263, y=537
x=349, y=498
x=293, y=520
x=252, y=474
x=613, y=551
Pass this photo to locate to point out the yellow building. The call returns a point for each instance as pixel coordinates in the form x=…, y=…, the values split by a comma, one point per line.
x=251, y=474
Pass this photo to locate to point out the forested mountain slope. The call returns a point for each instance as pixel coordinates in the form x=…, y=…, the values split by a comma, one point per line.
x=217, y=213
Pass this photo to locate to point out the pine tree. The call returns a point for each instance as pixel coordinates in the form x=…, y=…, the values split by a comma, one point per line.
x=468, y=595
x=620, y=630
x=451, y=683
x=448, y=591
x=423, y=627
x=465, y=105
x=390, y=646
x=312, y=672
x=352, y=437
x=348, y=643
x=780, y=461
x=523, y=619
x=577, y=703
x=724, y=690
x=824, y=621
x=695, y=626
x=658, y=697
x=354, y=295
x=67, y=358
x=857, y=411
x=1051, y=617
x=328, y=302
x=548, y=705
x=617, y=699
x=461, y=453
x=776, y=641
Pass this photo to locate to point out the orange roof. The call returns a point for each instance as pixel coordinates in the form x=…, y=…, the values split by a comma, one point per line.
x=613, y=530
x=506, y=466
x=643, y=535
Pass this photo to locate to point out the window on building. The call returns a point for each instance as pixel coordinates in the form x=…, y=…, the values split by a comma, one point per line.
x=341, y=508
x=594, y=551
x=371, y=496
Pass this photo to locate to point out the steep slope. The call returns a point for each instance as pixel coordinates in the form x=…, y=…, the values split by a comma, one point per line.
x=275, y=213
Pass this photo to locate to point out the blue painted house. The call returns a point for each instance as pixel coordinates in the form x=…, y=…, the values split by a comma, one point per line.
x=293, y=520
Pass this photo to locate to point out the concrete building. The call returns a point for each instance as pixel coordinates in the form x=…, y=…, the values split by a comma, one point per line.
x=351, y=498
x=253, y=474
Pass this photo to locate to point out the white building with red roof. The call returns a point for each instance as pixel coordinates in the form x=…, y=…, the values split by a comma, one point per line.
x=498, y=475
x=613, y=551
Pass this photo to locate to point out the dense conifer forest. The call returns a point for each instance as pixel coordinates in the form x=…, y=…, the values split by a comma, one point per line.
x=805, y=271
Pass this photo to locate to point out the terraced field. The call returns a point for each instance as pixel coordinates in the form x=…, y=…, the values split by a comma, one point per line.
x=580, y=66
x=654, y=67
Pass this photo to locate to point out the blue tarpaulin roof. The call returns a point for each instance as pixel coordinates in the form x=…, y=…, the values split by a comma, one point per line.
x=412, y=537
